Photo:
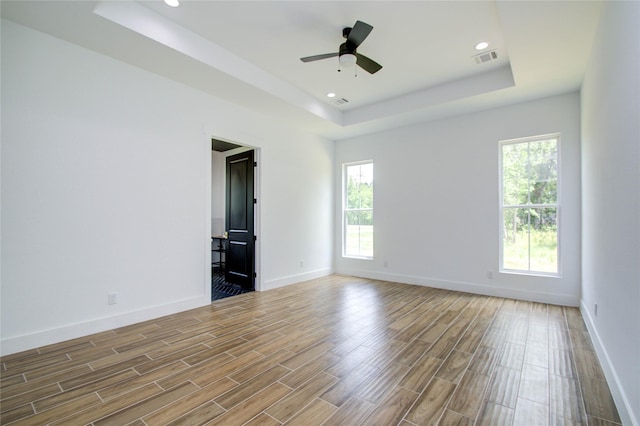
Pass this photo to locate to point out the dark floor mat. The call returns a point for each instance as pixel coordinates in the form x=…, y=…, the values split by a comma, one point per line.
x=221, y=289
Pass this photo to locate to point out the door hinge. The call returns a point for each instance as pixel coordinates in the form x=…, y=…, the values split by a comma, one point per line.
x=255, y=164
x=255, y=238
x=255, y=201
x=255, y=275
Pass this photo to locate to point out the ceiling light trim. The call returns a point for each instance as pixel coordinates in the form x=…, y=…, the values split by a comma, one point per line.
x=172, y=3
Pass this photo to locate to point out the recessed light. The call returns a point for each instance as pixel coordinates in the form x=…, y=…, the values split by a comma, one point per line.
x=331, y=95
x=172, y=3
x=482, y=45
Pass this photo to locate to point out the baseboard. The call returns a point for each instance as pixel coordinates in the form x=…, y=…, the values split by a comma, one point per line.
x=475, y=288
x=617, y=391
x=72, y=331
x=297, y=278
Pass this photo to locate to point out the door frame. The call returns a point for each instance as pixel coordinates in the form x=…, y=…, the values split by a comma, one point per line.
x=257, y=206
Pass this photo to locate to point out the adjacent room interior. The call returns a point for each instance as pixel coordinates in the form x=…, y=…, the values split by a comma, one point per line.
x=116, y=124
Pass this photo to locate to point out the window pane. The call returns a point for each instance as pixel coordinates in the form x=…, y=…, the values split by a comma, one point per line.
x=353, y=187
x=515, y=243
x=359, y=233
x=515, y=181
x=543, y=158
x=544, y=240
x=360, y=186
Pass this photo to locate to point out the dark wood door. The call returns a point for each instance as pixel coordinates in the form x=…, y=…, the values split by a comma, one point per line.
x=240, y=263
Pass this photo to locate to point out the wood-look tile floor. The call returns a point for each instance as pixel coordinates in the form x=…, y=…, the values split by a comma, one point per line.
x=332, y=351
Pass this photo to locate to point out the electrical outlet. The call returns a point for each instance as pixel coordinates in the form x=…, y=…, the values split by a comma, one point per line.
x=490, y=275
x=386, y=264
x=113, y=298
x=595, y=310
x=302, y=263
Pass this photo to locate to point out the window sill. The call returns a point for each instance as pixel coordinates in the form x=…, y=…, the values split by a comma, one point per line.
x=530, y=273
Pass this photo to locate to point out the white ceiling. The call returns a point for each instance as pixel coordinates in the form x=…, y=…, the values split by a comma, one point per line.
x=248, y=52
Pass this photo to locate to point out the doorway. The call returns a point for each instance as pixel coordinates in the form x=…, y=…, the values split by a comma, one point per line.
x=233, y=219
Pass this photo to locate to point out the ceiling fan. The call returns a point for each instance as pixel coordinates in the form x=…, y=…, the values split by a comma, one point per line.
x=347, y=54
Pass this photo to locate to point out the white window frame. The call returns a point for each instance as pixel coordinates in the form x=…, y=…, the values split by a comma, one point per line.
x=557, y=206
x=345, y=211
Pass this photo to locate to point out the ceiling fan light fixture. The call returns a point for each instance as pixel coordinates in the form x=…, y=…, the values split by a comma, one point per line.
x=348, y=60
x=331, y=95
x=482, y=45
x=172, y=3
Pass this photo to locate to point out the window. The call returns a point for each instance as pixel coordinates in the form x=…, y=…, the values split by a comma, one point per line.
x=529, y=172
x=357, y=209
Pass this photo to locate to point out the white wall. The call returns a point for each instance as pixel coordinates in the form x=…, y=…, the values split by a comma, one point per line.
x=106, y=187
x=611, y=202
x=436, y=201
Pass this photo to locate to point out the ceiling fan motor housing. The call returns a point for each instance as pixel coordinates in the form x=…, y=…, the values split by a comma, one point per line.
x=346, y=48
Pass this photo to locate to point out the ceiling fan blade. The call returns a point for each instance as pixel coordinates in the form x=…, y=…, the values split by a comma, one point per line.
x=358, y=33
x=318, y=57
x=367, y=64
